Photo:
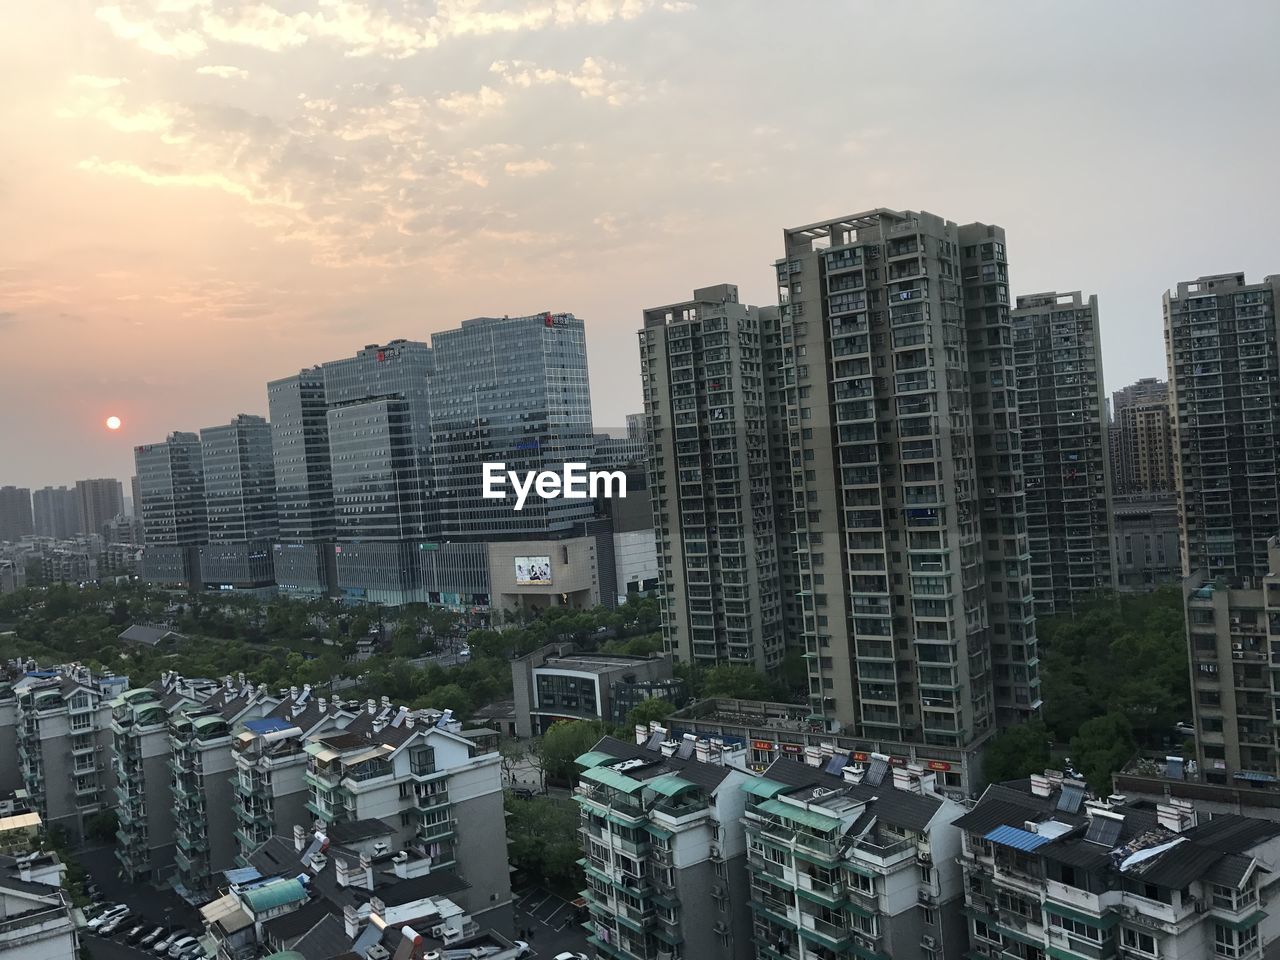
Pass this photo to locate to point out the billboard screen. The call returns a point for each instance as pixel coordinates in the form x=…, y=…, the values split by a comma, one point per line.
x=531, y=570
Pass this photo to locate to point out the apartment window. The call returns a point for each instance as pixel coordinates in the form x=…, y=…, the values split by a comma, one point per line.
x=929, y=917
x=406, y=818
x=81, y=721
x=1232, y=943
x=1139, y=941
x=422, y=760
x=1076, y=928
x=406, y=790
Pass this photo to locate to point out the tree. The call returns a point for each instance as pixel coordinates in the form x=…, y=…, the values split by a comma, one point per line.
x=1103, y=746
x=542, y=839
x=1017, y=752
x=563, y=743
x=654, y=708
x=513, y=753
x=102, y=826
x=737, y=681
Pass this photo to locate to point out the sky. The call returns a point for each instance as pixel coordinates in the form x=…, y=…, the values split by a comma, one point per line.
x=197, y=196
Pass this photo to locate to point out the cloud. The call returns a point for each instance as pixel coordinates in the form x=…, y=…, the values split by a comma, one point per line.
x=180, y=43
x=593, y=80
x=184, y=28
x=97, y=83
x=528, y=168
x=483, y=102
x=224, y=72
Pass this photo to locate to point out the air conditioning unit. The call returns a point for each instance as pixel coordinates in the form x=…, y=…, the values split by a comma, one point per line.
x=715, y=851
x=721, y=927
x=928, y=942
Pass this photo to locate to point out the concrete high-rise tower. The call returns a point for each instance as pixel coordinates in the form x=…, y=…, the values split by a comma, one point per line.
x=56, y=511
x=16, y=520
x=910, y=542
x=100, y=501
x=702, y=365
x=1223, y=347
x=1144, y=429
x=1062, y=415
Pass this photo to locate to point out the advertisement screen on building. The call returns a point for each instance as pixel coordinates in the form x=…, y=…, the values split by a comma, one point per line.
x=531, y=570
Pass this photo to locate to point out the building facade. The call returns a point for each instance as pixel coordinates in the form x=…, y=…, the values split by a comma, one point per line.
x=1062, y=414
x=56, y=512
x=1224, y=388
x=1143, y=428
x=63, y=718
x=98, y=501
x=37, y=918
x=1147, y=548
x=174, y=518
x=509, y=390
x=554, y=683
x=16, y=520
x=665, y=849
x=1048, y=873
x=909, y=513
x=240, y=504
x=380, y=454
x=702, y=366
x=304, y=558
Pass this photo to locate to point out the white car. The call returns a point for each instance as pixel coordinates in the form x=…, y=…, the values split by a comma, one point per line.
x=182, y=946
x=107, y=916
x=571, y=955
x=522, y=949
x=163, y=946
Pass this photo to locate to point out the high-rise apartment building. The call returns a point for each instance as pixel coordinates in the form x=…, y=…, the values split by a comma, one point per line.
x=1057, y=350
x=509, y=390
x=240, y=501
x=379, y=423
x=56, y=512
x=1224, y=390
x=304, y=558
x=99, y=501
x=16, y=521
x=174, y=518
x=898, y=392
x=1143, y=427
x=702, y=364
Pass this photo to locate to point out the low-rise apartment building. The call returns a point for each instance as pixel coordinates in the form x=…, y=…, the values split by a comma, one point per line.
x=63, y=727
x=1050, y=873
x=440, y=794
x=37, y=921
x=665, y=848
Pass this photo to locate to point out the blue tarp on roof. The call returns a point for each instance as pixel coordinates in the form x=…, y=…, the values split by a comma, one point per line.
x=267, y=725
x=1016, y=838
x=1254, y=776
x=242, y=875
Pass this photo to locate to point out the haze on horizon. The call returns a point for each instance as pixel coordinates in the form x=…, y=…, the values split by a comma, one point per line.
x=203, y=195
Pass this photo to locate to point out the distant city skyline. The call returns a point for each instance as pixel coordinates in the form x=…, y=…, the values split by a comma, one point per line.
x=215, y=195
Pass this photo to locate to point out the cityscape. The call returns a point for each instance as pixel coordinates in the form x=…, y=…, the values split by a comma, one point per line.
x=841, y=603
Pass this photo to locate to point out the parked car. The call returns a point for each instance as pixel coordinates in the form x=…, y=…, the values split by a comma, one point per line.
x=107, y=915
x=181, y=947
x=522, y=949
x=134, y=933
x=571, y=955
x=123, y=922
x=522, y=793
x=163, y=946
x=150, y=938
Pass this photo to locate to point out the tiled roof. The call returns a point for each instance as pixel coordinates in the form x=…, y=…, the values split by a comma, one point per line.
x=702, y=774
x=897, y=808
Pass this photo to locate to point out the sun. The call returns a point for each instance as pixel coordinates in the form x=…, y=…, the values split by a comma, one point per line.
x=113, y=423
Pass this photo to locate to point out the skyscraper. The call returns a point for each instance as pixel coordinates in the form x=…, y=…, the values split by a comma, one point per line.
x=1224, y=393
x=910, y=526
x=304, y=558
x=240, y=499
x=99, y=500
x=509, y=390
x=174, y=517
x=1141, y=417
x=1061, y=410
x=379, y=423
x=702, y=365
x=15, y=513
x=56, y=511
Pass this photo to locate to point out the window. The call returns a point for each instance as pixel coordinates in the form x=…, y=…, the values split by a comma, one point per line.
x=1136, y=940
x=1076, y=928
x=1230, y=943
